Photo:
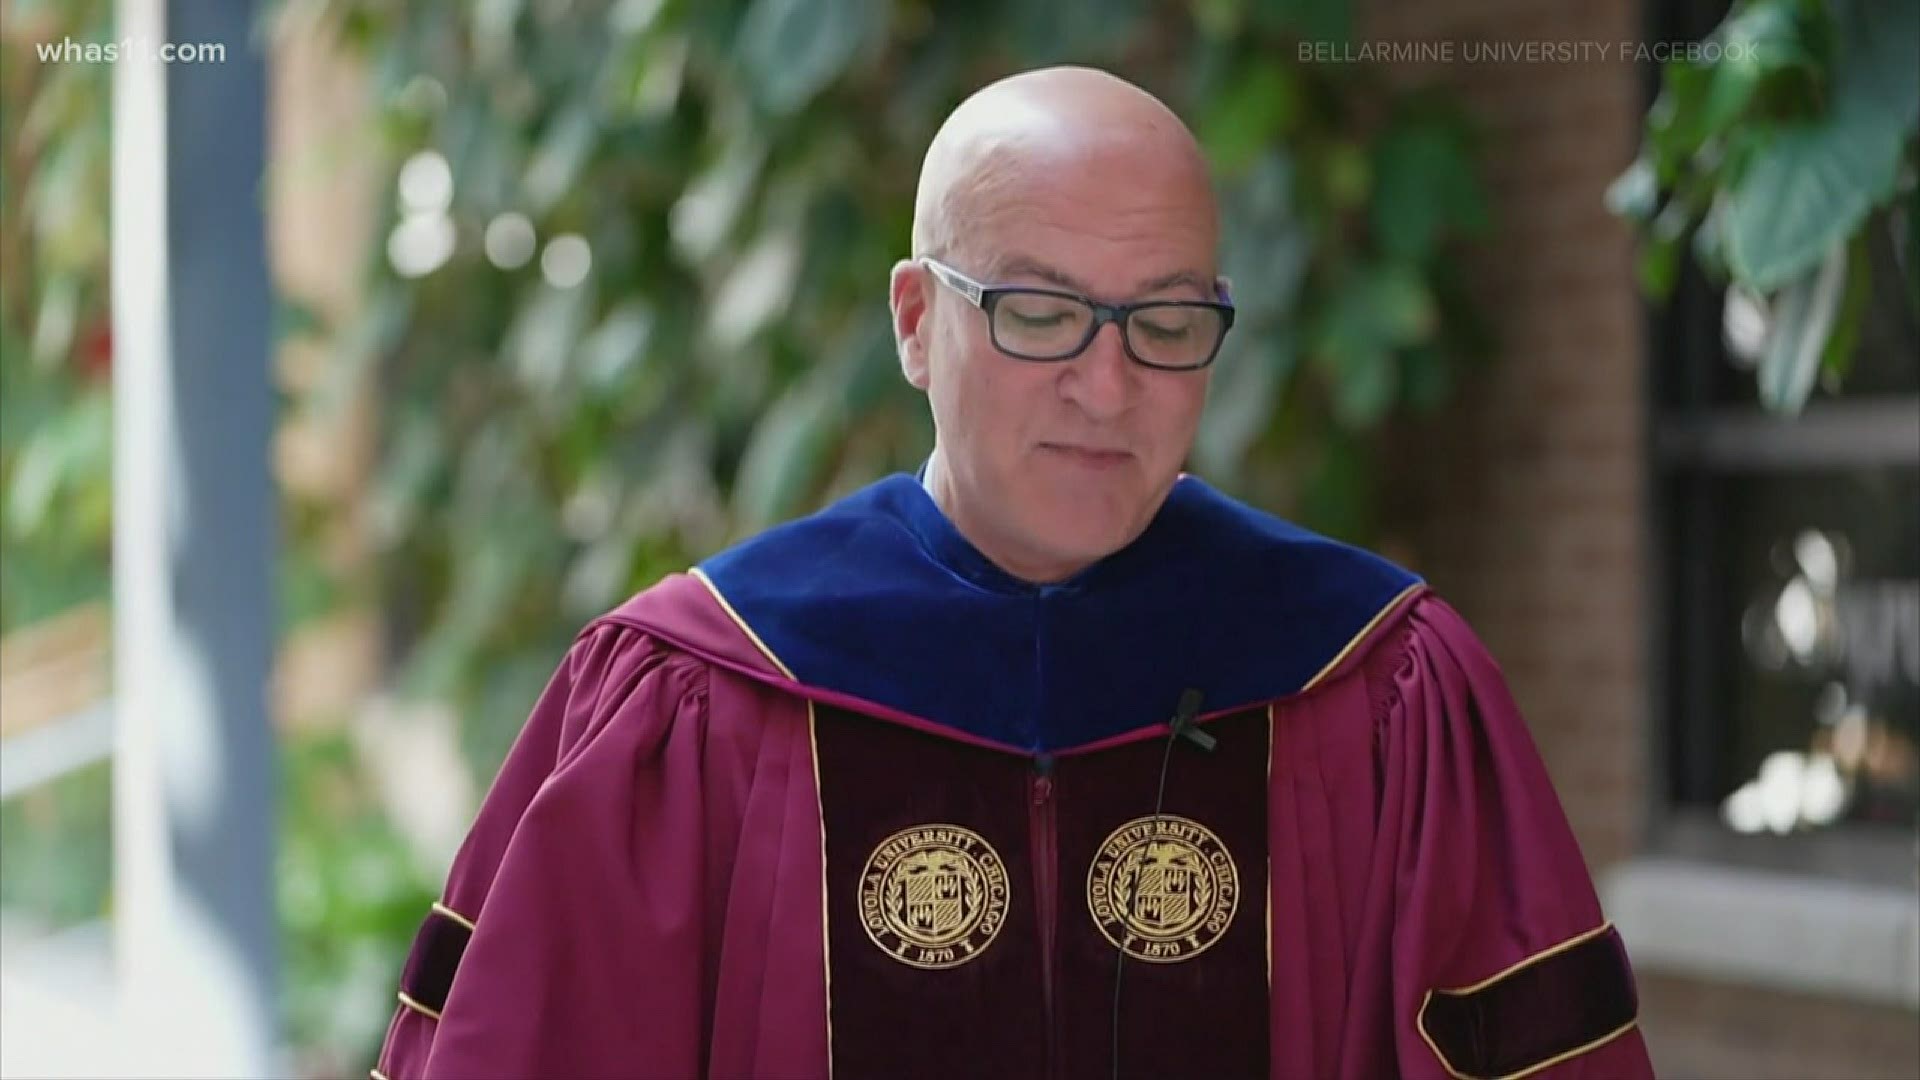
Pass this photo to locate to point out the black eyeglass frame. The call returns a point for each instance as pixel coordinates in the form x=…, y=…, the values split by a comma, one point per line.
x=987, y=298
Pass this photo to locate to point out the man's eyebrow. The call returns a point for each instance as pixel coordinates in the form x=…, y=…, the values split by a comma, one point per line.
x=1168, y=281
x=1026, y=266
x=1018, y=265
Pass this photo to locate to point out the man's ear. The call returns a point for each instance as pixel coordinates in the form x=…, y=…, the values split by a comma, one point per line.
x=907, y=295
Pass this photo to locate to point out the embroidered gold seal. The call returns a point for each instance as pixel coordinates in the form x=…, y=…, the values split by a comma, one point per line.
x=933, y=896
x=1163, y=889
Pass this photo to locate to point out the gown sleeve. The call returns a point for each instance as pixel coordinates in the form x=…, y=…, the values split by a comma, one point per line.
x=1502, y=963
x=570, y=938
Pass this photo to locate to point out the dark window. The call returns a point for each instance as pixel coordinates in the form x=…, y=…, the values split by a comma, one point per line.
x=1790, y=575
x=1787, y=595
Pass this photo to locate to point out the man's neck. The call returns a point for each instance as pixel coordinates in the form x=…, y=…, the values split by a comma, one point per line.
x=939, y=485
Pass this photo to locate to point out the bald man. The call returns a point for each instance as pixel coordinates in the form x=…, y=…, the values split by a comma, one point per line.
x=1049, y=760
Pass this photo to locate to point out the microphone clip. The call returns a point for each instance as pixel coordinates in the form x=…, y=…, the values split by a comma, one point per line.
x=1183, y=717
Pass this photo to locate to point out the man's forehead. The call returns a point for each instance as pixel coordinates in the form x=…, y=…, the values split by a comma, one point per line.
x=1063, y=222
x=1010, y=265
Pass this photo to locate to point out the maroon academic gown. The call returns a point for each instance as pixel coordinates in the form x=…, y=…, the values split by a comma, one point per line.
x=693, y=865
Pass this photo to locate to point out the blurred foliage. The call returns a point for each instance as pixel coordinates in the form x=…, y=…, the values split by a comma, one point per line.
x=56, y=855
x=740, y=178
x=351, y=894
x=55, y=421
x=1768, y=156
x=55, y=342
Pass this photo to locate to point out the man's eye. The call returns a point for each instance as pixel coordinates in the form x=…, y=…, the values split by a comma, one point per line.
x=1160, y=331
x=1040, y=321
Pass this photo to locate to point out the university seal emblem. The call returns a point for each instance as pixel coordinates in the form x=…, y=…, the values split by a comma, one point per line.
x=933, y=896
x=1163, y=889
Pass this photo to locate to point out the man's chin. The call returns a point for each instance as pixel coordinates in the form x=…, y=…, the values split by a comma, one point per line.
x=1079, y=544
x=1097, y=517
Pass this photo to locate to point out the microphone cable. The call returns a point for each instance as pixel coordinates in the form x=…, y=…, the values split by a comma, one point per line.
x=1180, y=727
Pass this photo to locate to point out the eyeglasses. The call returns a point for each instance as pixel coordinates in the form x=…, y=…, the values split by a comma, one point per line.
x=1046, y=324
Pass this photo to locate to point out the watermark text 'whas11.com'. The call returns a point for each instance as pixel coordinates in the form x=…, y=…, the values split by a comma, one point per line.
x=69, y=51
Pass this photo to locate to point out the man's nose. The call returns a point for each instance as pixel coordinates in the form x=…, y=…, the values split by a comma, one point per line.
x=1102, y=380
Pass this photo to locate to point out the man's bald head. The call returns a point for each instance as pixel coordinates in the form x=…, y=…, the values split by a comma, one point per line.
x=1065, y=180
x=1042, y=124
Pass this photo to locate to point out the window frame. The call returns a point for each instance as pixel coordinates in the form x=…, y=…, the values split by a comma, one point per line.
x=1692, y=444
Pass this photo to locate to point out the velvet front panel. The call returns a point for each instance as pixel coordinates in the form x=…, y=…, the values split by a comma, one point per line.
x=982, y=1016
x=1183, y=1014
x=1194, y=1002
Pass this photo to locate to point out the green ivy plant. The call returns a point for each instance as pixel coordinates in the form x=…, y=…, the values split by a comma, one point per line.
x=1769, y=155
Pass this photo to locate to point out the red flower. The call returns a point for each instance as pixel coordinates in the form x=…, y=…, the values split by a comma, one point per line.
x=95, y=351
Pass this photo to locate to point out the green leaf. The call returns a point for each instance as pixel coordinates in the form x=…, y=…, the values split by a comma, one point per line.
x=555, y=169
x=1635, y=193
x=493, y=23
x=787, y=453
x=1077, y=32
x=1674, y=127
x=57, y=465
x=1875, y=70
x=1710, y=243
x=1803, y=317
x=58, y=850
x=1242, y=122
x=53, y=326
x=710, y=206
x=1810, y=186
x=544, y=336
x=1339, y=496
x=1387, y=306
x=357, y=350
x=1309, y=20
x=608, y=355
x=1363, y=394
x=1807, y=190
x=1240, y=402
x=1376, y=314
x=1347, y=174
x=1912, y=240
x=33, y=486
x=1423, y=185
x=1266, y=252
x=295, y=318
x=1760, y=39
x=1427, y=377
x=1836, y=360
x=415, y=465
x=1218, y=19
x=789, y=50
x=1658, y=266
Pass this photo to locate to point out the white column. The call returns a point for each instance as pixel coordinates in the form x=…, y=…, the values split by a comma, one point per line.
x=192, y=550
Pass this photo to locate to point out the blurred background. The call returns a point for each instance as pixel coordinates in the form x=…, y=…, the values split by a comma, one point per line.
x=355, y=358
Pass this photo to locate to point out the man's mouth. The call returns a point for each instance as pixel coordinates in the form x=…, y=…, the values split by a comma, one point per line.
x=1093, y=457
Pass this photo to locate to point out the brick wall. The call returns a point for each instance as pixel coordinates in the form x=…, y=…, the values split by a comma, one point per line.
x=1524, y=506
x=1524, y=502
